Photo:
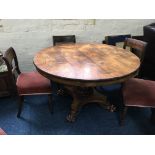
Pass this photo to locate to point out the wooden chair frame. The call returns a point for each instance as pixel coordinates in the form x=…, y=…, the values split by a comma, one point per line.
x=8, y=58
x=136, y=46
x=64, y=39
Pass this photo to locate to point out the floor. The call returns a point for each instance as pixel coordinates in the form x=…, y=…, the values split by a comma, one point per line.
x=92, y=119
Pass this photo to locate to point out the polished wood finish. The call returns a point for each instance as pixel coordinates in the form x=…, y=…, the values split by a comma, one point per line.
x=84, y=66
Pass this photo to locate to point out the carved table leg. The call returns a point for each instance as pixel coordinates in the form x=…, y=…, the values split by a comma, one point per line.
x=74, y=110
x=82, y=96
x=73, y=91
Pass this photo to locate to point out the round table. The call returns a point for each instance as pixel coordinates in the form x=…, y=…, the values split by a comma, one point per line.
x=81, y=67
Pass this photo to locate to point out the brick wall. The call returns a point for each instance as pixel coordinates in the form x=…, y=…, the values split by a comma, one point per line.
x=29, y=36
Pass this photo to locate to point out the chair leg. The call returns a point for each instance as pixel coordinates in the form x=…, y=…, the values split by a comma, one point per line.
x=60, y=90
x=20, y=105
x=50, y=106
x=122, y=115
x=152, y=119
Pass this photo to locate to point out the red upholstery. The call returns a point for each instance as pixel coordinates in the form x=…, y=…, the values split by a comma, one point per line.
x=139, y=93
x=33, y=83
x=2, y=132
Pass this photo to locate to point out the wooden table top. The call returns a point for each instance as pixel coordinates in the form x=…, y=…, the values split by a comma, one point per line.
x=86, y=64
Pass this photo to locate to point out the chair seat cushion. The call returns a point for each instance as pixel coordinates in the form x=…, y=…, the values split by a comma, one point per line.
x=139, y=92
x=33, y=83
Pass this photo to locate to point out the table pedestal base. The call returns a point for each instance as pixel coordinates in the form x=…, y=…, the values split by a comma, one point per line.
x=82, y=96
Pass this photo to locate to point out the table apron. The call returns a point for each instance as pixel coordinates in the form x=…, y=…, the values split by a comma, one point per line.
x=87, y=83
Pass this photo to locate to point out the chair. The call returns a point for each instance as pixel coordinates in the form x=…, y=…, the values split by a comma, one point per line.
x=138, y=93
x=63, y=39
x=114, y=39
x=135, y=90
x=30, y=83
x=136, y=46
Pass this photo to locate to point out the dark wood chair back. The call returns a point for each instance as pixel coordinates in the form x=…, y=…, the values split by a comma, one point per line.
x=136, y=46
x=11, y=61
x=113, y=40
x=138, y=38
x=64, y=39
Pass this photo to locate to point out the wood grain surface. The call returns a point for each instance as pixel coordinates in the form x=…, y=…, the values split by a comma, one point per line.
x=86, y=64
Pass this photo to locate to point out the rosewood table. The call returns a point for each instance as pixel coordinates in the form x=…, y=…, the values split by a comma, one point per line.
x=82, y=67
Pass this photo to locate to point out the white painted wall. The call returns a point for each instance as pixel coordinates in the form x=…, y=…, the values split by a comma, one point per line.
x=27, y=37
